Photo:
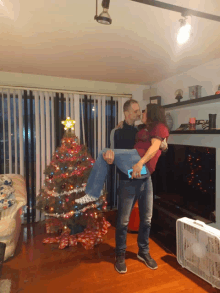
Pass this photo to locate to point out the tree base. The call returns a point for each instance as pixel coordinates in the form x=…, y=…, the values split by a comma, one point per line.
x=76, y=229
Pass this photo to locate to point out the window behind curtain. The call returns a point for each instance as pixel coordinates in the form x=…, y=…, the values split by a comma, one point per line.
x=31, y=129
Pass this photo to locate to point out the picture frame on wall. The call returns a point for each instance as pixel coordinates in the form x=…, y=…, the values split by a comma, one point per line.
x=155, y=100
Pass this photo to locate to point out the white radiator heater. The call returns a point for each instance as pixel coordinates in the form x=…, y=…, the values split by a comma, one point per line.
x=198, y=249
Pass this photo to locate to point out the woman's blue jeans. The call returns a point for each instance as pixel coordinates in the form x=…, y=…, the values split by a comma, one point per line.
x=130, y=191
x=124, y=160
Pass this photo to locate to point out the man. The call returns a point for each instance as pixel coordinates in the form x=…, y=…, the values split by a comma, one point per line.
x=129, y=191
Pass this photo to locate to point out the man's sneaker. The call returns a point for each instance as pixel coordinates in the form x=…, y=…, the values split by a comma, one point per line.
x=86, y=199
x=148, y=260
x=120, y=264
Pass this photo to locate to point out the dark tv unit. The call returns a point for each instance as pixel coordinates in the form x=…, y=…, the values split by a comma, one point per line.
x=184, y=184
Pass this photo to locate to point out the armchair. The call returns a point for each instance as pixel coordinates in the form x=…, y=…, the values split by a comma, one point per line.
x=10, y=222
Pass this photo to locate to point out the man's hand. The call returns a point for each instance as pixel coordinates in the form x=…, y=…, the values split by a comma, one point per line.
x=163, y=145
x=120, y=124
x=137, y=170
x=109, y=157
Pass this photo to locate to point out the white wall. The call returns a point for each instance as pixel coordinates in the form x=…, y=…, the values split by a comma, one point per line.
x=208, y=76
x=42, y=81
x=58, y=83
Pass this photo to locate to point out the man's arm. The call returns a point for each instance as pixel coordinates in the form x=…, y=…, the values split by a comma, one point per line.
x=112, y=139
x=109, y=156
x=164, y=144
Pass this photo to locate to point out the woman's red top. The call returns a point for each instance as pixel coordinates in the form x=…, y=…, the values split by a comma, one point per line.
x=143, y=142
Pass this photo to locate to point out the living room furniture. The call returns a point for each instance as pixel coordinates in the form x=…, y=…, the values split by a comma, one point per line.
x=10, y=222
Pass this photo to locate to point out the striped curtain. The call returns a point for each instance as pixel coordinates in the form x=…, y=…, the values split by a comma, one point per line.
x=31, y=130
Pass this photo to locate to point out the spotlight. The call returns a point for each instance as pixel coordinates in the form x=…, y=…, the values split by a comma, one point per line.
x=104, y=17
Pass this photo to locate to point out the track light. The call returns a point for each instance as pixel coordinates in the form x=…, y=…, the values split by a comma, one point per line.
x=104, y=17
x=184, y=31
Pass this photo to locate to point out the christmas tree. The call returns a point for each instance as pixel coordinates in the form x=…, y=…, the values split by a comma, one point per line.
x=65, y=181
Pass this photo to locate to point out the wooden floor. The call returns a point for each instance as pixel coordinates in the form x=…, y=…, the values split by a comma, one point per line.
x=43, y=268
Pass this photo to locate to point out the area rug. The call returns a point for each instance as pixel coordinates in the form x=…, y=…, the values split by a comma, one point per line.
x=5, y=286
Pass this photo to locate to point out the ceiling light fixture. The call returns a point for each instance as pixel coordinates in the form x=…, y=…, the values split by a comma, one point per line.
x=184, y=31
x=104, y=17
x=179, y=9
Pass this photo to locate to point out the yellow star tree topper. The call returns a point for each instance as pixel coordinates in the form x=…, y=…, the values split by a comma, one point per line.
x=69, y=123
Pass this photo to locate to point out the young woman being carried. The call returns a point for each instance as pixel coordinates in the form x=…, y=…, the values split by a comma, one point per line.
x=146, y=153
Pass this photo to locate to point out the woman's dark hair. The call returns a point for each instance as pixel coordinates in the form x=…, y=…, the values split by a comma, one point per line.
x=155, y=115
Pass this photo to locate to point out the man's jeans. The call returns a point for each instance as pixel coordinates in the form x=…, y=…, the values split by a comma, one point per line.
x=129, y=192
x=124, y=160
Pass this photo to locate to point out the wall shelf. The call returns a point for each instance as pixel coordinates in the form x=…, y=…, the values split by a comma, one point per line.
x=204, y=100
x=213, y=131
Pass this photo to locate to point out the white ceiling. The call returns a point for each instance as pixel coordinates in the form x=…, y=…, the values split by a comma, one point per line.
x=61, y=38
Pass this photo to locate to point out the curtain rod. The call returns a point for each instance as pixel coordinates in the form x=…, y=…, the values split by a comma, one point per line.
x=65, y=91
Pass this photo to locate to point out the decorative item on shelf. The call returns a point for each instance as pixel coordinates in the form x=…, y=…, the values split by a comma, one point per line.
x=212, y=121
x=169, y=121
x=179, y=95
x=155, y=100
x=192, y=123
x=183, y=127
x=218, y=91
x=195, y=92
x=203, y=123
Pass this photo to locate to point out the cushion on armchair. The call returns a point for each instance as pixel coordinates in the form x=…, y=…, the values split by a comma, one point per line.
x=7, y=197
x=20, y=196
x=5, y=180
x=20, y=188
x=6, y=191
x=6, y=203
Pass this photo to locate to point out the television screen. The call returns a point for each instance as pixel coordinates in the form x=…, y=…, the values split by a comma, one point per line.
x=186, y=176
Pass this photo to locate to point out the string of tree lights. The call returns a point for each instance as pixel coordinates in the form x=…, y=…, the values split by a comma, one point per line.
x=65, y=181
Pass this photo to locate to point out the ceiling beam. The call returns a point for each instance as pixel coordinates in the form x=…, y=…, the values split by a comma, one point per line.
x=182, y=10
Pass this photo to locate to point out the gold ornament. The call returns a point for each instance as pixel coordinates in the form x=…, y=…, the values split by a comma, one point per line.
x=69, y=123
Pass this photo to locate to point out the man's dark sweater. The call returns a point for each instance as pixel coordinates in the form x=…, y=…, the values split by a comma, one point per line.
x=123, y=138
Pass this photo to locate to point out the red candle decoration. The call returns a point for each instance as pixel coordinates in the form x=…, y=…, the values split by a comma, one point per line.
x=218, y=91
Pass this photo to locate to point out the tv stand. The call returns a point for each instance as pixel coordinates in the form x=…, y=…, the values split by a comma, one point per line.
x=166, y=214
